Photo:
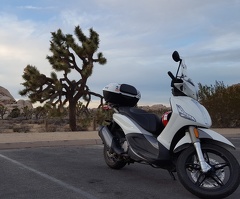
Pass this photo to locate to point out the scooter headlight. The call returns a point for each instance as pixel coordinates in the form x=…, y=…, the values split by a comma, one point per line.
x=183, y=113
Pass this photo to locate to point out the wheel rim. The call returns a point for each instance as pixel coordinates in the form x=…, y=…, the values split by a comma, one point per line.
x=216, y=177
x=110, y=156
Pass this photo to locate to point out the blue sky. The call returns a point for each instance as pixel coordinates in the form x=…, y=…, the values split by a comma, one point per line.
x=137, y=37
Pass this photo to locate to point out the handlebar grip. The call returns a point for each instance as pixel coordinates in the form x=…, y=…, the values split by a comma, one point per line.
x=171, y=75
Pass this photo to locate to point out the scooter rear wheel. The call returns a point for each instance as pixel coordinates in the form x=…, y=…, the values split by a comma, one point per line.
x=220, y=181
x=113, y=160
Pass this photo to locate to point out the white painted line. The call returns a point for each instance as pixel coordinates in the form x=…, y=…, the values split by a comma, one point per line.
x=59, y=182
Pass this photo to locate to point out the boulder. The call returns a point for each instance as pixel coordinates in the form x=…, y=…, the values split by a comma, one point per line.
x=6, y=97
x=8, y=101
x=23, y=103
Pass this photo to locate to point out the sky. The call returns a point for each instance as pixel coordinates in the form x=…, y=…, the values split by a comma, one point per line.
x=136, y=36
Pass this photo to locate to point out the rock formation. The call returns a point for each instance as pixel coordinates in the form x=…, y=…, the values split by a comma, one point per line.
x=6, y=97
x=155, y=107
x=8, y=101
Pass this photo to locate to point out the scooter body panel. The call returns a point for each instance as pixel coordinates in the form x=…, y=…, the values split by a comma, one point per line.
x=128, y=125
x=185, y=112
x=206, y=134
x=142, y=145
x=191, y=110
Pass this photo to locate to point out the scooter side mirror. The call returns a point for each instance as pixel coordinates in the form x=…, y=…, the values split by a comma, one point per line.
x=176, y=56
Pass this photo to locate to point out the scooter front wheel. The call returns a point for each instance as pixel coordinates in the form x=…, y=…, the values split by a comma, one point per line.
x=113, y=160
x=220, y=181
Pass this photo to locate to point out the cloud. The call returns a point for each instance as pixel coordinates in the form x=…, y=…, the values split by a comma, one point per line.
x=74, y=18
x=29, y=7
x=11, y=23
x=35, y=8
x=137, y=37
x=140, y=37
x=224, y=42
x=20, y=45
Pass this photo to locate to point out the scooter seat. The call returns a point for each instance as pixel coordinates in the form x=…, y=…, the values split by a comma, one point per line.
x=149, y=121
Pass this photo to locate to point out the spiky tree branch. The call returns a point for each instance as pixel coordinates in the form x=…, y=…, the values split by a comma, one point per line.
x=65, y=50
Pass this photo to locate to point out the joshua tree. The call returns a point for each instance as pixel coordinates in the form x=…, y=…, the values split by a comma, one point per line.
x=61, y=91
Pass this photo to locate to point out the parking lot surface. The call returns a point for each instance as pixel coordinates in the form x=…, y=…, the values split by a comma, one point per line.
x=80, y=172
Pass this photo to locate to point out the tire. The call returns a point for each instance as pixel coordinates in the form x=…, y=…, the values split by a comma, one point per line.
x=221, y=181
x=114, y=161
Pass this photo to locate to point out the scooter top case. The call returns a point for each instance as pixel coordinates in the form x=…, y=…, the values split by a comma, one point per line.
x=121, y=94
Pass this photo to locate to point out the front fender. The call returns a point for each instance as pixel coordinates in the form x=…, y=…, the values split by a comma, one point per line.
x=206, y=135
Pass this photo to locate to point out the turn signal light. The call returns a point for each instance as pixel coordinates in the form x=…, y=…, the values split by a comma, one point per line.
x=196, y=132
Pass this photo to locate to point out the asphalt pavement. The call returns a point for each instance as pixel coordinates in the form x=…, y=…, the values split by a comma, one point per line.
x=32, y=169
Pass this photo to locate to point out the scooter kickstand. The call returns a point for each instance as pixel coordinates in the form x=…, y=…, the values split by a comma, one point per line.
x=172, y=175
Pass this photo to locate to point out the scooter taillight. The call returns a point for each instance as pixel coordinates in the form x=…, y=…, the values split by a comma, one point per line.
x=106, y=107
x=165, y=118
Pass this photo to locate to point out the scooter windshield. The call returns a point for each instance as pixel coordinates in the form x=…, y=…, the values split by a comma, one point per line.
x=184, y=73
x=183, y=70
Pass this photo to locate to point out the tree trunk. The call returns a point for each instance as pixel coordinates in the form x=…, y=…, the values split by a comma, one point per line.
x=72, y=116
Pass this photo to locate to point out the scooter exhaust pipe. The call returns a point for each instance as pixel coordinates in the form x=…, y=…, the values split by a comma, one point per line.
x=109, y=140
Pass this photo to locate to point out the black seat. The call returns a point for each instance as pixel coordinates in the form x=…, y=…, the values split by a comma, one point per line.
x=149, y=121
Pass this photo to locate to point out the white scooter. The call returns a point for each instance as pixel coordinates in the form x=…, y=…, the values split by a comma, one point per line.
x=180, y=141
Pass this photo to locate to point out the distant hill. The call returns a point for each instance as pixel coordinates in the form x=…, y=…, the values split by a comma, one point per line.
x=158, y=109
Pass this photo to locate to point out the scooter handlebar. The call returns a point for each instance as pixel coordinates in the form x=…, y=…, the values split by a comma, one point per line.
x=171, y=75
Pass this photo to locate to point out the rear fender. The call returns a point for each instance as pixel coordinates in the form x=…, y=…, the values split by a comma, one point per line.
x=205, y=135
